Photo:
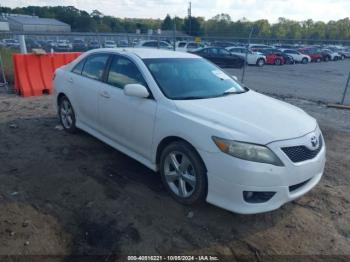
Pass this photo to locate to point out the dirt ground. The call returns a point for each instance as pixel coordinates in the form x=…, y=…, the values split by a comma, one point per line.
x=63, y=194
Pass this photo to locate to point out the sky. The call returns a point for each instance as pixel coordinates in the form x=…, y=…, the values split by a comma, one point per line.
x=319, y=10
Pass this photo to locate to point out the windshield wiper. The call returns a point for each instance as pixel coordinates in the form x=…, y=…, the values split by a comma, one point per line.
x=191, y=97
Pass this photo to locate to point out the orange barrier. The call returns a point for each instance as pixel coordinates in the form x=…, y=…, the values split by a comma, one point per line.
x=33, y=73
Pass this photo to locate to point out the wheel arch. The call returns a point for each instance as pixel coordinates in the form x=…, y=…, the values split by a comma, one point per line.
x=167, y=141
x=59, y=97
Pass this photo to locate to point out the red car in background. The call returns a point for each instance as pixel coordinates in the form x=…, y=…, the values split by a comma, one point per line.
x=272, y=58
x=315, y=55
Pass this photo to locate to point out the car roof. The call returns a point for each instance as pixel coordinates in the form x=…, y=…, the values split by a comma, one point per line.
x=145, y=53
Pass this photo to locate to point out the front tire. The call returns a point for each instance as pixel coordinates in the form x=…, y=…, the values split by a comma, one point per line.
x=183, y=173
x=304, y=60
x=260, y=62
x=67, y=115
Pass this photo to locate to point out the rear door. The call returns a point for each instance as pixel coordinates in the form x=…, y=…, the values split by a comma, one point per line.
x=86, y=82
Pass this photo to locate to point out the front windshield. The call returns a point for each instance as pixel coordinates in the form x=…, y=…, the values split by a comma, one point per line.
x=191, y=78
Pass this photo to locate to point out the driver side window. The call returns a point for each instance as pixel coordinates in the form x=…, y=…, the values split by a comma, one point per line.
x=123, y=72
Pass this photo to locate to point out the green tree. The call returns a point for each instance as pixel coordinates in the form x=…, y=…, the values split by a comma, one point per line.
x=167, y=23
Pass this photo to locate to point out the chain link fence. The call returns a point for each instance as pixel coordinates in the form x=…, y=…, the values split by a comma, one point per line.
x=324, y=82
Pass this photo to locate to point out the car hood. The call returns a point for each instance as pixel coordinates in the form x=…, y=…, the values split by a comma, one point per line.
x=249, y=117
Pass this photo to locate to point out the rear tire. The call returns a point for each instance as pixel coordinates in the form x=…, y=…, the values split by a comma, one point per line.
x=67, y=115
x=183, y=173
x=304, y=61
x=260, y=62
x=278, y=61
x=318, y=60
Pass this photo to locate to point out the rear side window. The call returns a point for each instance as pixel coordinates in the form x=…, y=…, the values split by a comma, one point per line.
x=123, y=72
x=79, y=67
x=94, y=66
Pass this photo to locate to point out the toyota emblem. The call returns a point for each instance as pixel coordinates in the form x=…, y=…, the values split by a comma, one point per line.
x=314, y=142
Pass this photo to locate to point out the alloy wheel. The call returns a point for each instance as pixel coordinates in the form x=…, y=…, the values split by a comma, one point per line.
x=180, y=174
x=66, y=113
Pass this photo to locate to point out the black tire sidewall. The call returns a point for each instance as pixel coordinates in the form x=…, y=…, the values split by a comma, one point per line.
x=258, y=62
x=304, y=60
x=73, y=128
x=279, y=61
x=200, y=193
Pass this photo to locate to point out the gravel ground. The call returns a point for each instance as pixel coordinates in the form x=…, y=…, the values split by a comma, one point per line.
x=65, y=194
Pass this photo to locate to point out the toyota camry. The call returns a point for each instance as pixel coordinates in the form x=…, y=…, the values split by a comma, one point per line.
x=210, y=138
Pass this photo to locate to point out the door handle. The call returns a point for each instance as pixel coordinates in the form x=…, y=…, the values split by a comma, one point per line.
x=105, y=94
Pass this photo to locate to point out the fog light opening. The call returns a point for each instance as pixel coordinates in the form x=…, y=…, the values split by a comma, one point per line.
x=257, y=197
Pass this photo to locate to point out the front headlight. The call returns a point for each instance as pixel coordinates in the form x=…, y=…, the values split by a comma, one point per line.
x=246, y=151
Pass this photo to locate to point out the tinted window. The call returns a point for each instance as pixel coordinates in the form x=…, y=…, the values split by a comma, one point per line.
x=223, y=52
x=150, y=44
x=79, y=67
x=123, y=72
x=182, y=44
x=95, y=66
x=190, y=78
x=213, y=51
x=236, y=50
x=192, y=45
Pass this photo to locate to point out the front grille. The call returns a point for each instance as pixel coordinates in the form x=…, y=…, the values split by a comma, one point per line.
x=302, y=153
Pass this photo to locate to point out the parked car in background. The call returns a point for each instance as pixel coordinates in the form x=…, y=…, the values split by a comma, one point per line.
x=208, y=137
x=184, y=46
x=297, y=56
x=334, y=56
x=32, y=44
x=94, y=44
x=123, y=43
x=49, y=45
x=63, y=46
x=154, y=44
x=257, y=47
x=314, y=54
x=346, y=52
x=338, y=50
x=272, y=58
x=110, y=44
x=79, y=45
x=253, y=58
x=220, y=56
x=11, y=43
x=289, y=60
x=223, y=44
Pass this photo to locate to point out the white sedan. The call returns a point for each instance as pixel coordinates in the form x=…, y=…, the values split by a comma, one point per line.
x=184, y=46
x=253, y=58
x=297, y=56
x=209, y=137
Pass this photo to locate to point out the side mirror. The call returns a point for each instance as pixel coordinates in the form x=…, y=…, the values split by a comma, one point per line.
x=234, y=77
x=136, y=90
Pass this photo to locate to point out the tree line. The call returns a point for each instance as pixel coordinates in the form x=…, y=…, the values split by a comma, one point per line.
x=221, y=25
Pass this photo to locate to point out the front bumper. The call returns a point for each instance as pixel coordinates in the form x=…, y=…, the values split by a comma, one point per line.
x=229, y=177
